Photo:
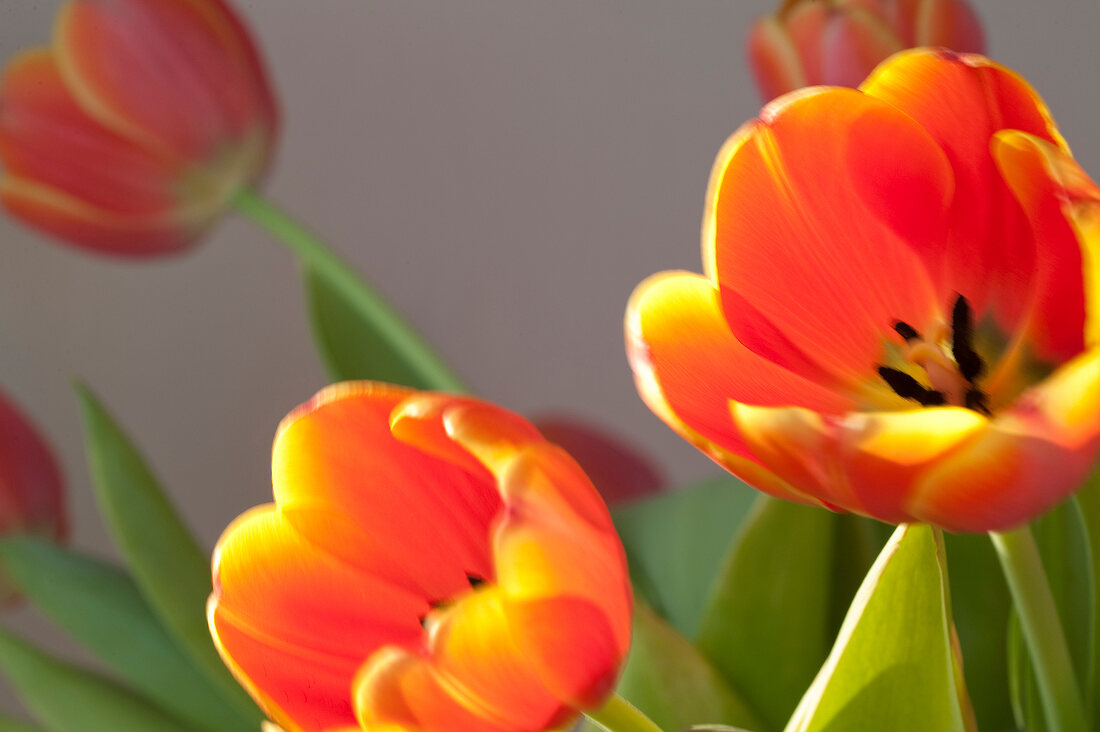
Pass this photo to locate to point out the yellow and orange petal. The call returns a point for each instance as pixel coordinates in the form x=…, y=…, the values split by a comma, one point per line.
x=130, y=134
x=430, y=563
x=838, y=214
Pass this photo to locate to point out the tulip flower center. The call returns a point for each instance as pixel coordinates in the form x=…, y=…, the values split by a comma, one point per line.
x=952, y=371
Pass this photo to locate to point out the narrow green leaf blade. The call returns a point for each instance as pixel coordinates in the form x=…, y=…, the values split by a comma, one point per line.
x=980, y=603
x=671, y=683
x=349, y=346
x=10, y=724
x=893, y=666
x=172, y=573
x=766, y=627
x=1062, y=536
x=675, y=543
x=1089, y=500
x=100, y=606
x=68, y=699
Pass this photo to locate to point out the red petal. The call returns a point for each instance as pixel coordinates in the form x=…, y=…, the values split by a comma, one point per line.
x=989, y=252
x=948, y=23
x=814, y=214
x=181, y=75
x=855, y=42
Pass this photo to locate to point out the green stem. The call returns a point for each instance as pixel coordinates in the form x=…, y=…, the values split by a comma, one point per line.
x=417, y=354
x=619, y=715
x=1042, y=629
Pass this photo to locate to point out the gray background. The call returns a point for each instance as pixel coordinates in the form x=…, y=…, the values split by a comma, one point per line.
x=505, y=172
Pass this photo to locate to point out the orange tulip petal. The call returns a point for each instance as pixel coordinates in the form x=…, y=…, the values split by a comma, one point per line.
x=181, y=75
x=1061, y=201
x=400, y=688
x=866, y=462
x=1032, y=457
x=336, y=454
x=848, y=248
x=989, y=249
x=774, y=60
x=688, y=366
x=474, y=649
x=267, y=579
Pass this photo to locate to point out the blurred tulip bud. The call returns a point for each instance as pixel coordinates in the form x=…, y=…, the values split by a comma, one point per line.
x=32, y=497
x=839, y=42
x=135, y=128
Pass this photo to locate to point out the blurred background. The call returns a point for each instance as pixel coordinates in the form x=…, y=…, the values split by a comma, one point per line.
x=504, y=172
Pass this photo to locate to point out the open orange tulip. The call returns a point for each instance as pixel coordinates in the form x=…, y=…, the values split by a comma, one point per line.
x=430, y=563
x=130, y=134
x=839, y=42
x=901, y=315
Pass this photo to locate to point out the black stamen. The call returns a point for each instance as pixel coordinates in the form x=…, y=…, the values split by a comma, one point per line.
x=474, y=580
x=907, y=387
x=970, y=363
x=977, y=400
x=906, y=331
x=423, y=621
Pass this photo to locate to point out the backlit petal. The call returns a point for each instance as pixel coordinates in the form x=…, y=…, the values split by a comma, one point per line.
x=267, y=581
x=813, y=216
x=989, y=250
x=336, y=454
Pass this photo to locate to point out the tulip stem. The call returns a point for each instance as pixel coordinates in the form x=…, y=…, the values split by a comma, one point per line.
x=619, y=715
x=1042, y=629
x=422, y=361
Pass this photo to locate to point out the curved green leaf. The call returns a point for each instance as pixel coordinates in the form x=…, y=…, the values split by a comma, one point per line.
x=675, y=543
x=349, y=346
x=766, y=627
x=101, y=607
x=170, y=569
x=671, y=683
x=68, y=699
x=894, y=665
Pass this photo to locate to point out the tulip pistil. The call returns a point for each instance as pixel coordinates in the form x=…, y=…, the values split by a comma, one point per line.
x=953, y=377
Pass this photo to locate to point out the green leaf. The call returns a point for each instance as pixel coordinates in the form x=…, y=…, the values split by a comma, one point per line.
x=671, y=683
x=172, y=573
x=675, y=543
x=980, y=603
x=768, y=624
x=1062, y=536
x=893, y=666
x=8, y=724
x=68, y=699
x=349, y=346
x=1089, y=501
x=101, y=607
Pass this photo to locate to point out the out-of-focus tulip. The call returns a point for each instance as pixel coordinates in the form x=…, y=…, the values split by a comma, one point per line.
x=32, y=496
x=839, y=42
x=430, y=563
x=133, y=130
x=618, y=470
x=901, y=311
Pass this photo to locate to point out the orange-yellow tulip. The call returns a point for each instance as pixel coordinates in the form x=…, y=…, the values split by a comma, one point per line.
x=430, y=563
x=132, y=131
x=900, y=316
x=839, y=42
